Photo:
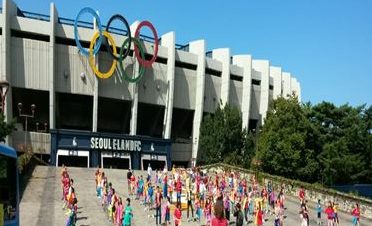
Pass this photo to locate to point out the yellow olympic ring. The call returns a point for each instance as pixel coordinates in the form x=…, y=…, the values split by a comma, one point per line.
x=91, y=57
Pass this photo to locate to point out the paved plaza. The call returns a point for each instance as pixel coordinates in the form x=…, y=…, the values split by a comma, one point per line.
x=41, y=203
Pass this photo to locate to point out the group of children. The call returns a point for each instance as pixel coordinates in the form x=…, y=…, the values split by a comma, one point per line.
x=331, y=212
x=197, y=193
x=117, y=213
x=68, y=197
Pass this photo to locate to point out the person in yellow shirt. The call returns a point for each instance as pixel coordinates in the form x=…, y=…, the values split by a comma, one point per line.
x=336, y=221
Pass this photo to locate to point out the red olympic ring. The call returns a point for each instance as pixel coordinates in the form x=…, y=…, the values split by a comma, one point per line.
x=144, y=62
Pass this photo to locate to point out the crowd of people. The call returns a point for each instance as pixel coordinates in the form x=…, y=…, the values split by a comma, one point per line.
x=68, y=197
x=112, y=204
x=330, y=211
x=208, y=199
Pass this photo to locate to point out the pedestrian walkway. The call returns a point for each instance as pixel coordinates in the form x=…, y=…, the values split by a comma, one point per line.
x=41, y=204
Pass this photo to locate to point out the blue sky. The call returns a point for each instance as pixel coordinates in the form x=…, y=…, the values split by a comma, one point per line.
x=326, y=45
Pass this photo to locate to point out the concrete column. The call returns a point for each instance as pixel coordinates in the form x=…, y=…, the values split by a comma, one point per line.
x=286, y=84
x=293, y=85
x=95, y=89
x=198, y=47
x=295, y=88
x=245, y=61
x=134, y=89
x=299, y=91
x=276, y=74
x=52, y=65
x=223, y=55
x=263, y=67
x=169, y=40
x=9, y=12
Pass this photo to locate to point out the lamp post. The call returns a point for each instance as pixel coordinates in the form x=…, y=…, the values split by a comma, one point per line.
x=42, y=130
x=4, y=86
x=26, y=116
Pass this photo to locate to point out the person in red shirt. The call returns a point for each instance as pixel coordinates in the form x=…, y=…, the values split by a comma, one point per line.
x=301, y=195
x=132, y=183
x=356, y=215
x=177, y=214
x=158, y=198
x=330, y=213
x=259, y=215
x=219, y=219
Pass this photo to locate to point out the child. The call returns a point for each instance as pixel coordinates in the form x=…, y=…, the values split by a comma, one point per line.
x=239, y=215
x=198, y=209
x=119, y=213
x=140, y=188
x=226, y=204
x=335, y=215
x=330, y=214
x=150, y=192
x=259, y=215
x=208, y=210
x=319, y=210
x=170, y=188
x=304, y=216
x=71, y=220
x=128, y=214
x=277, y=212
x=177, y=215
x=356, y=215
x=167, y=212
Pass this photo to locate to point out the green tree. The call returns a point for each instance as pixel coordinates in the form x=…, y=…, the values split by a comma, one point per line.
x=344, y=136
x=287, y=141
x=222, y=138
x=5, y=128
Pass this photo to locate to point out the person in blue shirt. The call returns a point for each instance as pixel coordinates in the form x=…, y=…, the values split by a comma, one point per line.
x=319, y=210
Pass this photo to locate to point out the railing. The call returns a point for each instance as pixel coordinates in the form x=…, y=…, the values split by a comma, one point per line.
x=183, y=47
x=84, y=24
x=117, y=31
x=71, y=22
x=209, y=54
x=40, y=142
x=31, y=15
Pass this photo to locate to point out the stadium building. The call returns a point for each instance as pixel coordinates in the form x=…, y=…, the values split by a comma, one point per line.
x=83, y=120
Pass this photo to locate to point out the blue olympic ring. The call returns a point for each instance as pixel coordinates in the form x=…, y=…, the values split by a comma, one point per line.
x=77, y=40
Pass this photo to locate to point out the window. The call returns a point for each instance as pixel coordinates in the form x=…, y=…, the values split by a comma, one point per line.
x=256, y=82
x=236, y=77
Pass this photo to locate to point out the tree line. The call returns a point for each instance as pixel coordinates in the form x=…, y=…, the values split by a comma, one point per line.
x=320, y=143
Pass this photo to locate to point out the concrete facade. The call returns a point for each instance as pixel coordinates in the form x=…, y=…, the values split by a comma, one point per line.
x=185, y=78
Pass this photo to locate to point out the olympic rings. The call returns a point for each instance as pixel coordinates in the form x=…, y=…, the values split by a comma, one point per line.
x=141, y=70
x=91, y=58
x=142, y=61
x=78, y=44
x=103, y=36
x=122, y=19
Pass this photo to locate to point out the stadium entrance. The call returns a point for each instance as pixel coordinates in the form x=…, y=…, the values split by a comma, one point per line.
x=157, y=162
x=115, y=160
x=116, y=151
x=76, y=158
